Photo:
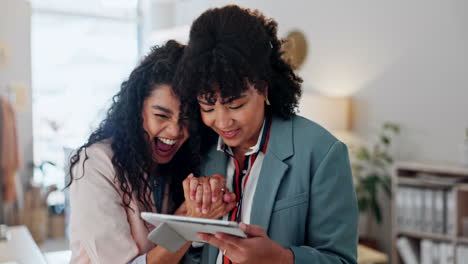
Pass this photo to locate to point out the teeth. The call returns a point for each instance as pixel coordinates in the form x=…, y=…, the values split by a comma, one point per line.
x=168, y=141
x=229, y=132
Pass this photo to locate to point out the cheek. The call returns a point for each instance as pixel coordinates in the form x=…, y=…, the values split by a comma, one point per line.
x=206, y=118
x=150, y=126
x=251, y=116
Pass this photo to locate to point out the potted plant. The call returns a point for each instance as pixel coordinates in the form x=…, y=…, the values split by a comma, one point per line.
x=371, y=172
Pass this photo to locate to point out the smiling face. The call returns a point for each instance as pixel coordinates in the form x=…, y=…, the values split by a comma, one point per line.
x=161, y=120
x=238, y=120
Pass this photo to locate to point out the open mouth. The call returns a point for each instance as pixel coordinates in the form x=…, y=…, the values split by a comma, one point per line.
x=165, y=147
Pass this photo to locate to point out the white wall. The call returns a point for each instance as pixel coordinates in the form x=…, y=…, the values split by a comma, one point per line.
x=15, y=33
x=401, y=61
x=404, y=61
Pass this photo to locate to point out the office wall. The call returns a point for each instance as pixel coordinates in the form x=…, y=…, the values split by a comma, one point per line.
x=15, y=28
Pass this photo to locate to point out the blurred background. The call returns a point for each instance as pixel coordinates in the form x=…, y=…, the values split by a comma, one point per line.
x=388, y=78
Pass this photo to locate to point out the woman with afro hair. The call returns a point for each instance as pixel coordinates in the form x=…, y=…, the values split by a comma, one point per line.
x=136, y=160
x=292, y=178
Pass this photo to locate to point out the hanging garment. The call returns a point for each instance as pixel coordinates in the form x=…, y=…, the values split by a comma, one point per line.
x=9, y=153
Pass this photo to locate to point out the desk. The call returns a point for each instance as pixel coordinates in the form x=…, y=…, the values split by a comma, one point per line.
x=368, y=255
x=21, y=248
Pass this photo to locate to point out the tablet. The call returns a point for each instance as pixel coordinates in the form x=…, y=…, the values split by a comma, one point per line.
x=172, y=231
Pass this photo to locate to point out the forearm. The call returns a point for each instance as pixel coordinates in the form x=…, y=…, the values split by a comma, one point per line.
x=161, y=255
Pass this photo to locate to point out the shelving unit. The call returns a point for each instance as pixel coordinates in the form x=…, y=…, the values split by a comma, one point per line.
x=406, y=174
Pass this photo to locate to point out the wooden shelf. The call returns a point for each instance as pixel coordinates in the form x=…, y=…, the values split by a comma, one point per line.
x=463, y=187
x=422, y=183
x=439, y=237
x=462, y=240
x=432, y=175
x=434, y=167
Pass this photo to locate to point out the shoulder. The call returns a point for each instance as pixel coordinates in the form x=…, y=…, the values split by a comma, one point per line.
x=304, y=127
x=95, y=161
x=309, y=139
x=306, y=133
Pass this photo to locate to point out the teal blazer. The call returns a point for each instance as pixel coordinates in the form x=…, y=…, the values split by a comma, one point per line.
x=305, y=197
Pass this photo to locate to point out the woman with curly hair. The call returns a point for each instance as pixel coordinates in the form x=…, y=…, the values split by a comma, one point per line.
x=293, y=180
x=135, y=161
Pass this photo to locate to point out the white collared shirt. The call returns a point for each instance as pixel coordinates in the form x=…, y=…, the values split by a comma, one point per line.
x=251, y=185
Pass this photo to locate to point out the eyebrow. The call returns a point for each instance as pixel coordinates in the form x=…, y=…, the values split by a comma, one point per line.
x=226, y=101
x=204, y=102
x=165, y=110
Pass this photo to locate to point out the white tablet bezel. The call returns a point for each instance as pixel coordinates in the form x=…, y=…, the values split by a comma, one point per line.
x=188, y=227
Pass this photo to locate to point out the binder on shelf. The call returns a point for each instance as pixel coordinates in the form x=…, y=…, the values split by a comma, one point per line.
x=426, y=248
x=461, y=254
x=408, y=250
x=428, y=210
x=399, y=204
x=450, y=258
x=450, y=205
x=418, y=210
x=438, y=223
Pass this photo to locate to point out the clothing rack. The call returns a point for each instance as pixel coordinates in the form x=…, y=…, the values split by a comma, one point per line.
x=9, y=94
x=2, y=210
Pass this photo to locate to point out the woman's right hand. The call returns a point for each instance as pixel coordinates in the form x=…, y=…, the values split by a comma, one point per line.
x=210, y=200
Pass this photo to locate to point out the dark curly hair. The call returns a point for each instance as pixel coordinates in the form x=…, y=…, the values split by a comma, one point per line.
x=123, y=125
x=229, y=46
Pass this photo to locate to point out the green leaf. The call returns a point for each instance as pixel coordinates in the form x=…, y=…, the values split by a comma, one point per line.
x=363, y=154
x=363, y=204
x=357, y=168
x=385, y=140
x=386, y=157
x=395, y=128
x=370, y=184
x=376, y=209
x=387, y=185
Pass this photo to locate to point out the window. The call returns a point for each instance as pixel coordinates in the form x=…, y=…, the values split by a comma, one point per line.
x=81, y=52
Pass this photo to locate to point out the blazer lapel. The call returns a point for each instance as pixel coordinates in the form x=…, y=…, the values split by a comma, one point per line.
x=280, y=147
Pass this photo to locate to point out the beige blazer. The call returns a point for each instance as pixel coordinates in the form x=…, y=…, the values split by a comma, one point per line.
x=102, y=230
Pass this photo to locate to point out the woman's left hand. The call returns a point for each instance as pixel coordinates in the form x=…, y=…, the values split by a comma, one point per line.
x=257, y=248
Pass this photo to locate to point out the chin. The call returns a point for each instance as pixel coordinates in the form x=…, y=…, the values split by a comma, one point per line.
x=163, y=160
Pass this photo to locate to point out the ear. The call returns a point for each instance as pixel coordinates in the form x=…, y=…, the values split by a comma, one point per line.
x=265, y=92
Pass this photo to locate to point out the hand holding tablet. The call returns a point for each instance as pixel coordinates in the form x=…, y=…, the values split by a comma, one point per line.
x=172, y=232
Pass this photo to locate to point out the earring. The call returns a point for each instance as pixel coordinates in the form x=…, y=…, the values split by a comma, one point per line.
x=267, y=101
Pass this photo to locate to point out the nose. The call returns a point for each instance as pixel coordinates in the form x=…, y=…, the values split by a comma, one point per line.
x=174, y=129
x=223, y=120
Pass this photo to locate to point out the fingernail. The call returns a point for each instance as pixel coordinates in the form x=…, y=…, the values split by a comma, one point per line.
x=205, y=211
x=213, y=199
x=200, y=236
x=198, y=210
x=218, y=235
